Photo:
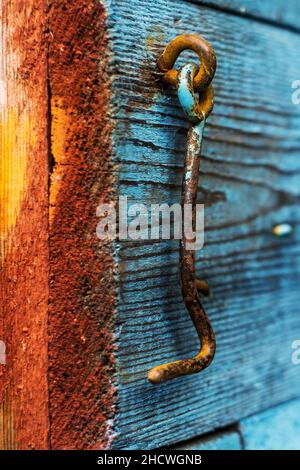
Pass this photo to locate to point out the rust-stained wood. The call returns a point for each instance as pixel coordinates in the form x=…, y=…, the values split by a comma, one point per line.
x=82, y=285
x=24, y=422
x=53, y=267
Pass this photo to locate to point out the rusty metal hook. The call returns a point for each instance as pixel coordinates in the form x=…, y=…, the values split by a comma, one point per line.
x=203, y=49
x=196, y=113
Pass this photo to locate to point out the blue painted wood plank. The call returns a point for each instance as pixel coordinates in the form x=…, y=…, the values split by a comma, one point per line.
x=277, y=428
x=226, y=440
x=274, y=429
x=279, y=11
x=249, y=181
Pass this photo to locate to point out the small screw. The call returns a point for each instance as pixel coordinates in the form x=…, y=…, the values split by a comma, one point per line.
x=282, y=230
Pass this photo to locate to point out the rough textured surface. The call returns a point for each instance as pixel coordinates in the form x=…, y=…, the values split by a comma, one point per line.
x=249, y=181
x=223, y=440
x=274, y=429
x=24, y=420
x=82, y=297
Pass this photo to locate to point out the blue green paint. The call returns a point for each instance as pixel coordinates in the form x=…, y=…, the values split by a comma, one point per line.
x=186, y=95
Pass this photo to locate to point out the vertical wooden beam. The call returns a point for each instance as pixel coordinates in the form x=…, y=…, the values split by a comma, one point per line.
x=24, y=422
x=82, y=296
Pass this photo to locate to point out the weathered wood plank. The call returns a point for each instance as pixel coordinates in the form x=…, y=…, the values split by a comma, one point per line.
x=24, y=422
x=278, y=11
x=275, y=429
x=82, y=284
x=249, y=181
x=225, y=440
x=123, y=135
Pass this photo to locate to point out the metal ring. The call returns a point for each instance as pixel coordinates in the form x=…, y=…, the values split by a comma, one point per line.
x=204, y=51
x=195, y=111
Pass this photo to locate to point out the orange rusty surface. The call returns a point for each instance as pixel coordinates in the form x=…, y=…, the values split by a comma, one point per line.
x=24, y=422
x=204, y=51
x=82, y=296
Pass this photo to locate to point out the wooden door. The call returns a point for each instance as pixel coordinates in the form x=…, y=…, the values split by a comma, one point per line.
x=84, y=320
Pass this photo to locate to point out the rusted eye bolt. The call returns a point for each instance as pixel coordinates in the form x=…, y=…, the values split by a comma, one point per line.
x=204, y=51
x=196, y=111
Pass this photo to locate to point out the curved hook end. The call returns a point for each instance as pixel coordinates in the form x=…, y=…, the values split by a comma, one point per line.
x=154, y=376
x=172, y=370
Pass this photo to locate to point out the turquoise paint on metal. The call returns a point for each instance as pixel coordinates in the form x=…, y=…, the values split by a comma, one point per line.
x=185, y=92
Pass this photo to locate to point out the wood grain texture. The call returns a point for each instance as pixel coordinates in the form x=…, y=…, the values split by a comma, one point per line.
x=82, y=284
x=274, y=429
x=277, y=11
x=249, y=181
x=24, y=422
x=223, y=440
x=116, y=310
